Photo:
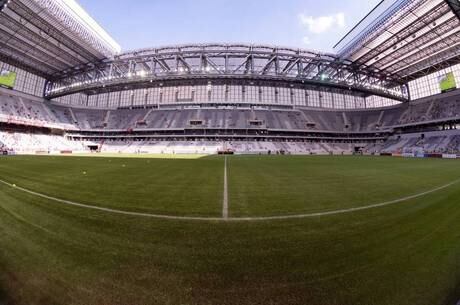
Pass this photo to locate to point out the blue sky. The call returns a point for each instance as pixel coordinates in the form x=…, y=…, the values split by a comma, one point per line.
x=311, y=24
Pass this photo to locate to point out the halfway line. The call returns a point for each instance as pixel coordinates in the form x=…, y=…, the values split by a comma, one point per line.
x=225, y=197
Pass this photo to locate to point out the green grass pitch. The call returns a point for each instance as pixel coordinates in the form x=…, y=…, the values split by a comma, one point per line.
x=52, y=253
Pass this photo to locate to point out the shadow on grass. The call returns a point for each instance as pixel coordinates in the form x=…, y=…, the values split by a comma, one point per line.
x=453, y=299
x=4, y=299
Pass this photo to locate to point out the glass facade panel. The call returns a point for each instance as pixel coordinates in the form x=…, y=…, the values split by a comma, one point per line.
x=228, y=93
x=26, y=82
x=429, y=85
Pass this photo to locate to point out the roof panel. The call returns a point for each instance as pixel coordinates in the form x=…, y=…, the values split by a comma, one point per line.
x=55, y=35
x=406, y=38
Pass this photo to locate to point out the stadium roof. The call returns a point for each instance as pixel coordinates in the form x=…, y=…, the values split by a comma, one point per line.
x=398, y=41
x=143, y=68
x=50, y=36
x=406, y=38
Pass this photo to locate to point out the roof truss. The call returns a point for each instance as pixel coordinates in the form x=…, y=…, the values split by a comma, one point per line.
x=224, y=61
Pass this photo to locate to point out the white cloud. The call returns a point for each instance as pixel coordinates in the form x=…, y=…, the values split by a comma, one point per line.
x=322, y=24
x=306, y=40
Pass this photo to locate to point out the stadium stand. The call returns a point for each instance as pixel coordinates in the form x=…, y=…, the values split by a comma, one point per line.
x=20, y=109
x=235, y=118
x=398, y=122
x=29, y=143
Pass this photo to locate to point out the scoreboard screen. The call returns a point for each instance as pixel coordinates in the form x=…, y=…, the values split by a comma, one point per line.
x=447, y=82
x=7, y=79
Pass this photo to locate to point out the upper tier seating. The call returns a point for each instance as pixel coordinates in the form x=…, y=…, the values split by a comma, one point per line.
x=439, y=108
x=26, y=110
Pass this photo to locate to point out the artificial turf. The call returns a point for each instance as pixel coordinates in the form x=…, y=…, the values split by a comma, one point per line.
x=407, y=253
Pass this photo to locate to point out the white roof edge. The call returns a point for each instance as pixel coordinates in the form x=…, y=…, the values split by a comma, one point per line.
x=76, y=11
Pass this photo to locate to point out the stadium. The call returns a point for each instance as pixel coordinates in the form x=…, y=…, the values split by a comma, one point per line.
x=227, y=173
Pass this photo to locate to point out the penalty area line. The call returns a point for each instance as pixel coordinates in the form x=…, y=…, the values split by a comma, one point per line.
x=234, y=219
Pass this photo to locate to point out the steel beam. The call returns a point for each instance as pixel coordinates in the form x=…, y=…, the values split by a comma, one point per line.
x=454, y=6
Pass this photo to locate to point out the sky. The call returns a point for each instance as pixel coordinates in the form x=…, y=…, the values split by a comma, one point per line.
x=309, y=24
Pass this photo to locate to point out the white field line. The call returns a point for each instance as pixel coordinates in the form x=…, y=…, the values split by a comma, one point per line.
x=235, y=219
x=225, y=197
